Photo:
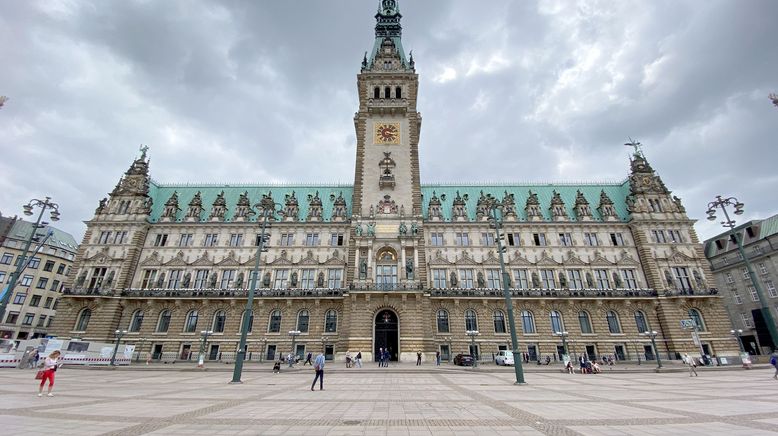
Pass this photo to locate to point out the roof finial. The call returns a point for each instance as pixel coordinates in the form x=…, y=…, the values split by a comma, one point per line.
x=143, y=149
x=637, y=146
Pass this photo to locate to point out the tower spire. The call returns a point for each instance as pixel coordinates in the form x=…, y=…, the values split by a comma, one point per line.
x=388, y=31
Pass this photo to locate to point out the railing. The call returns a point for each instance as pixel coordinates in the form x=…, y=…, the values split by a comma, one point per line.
x=697, y=292
x=382, y=287
x=544, y=293
x=213, y=293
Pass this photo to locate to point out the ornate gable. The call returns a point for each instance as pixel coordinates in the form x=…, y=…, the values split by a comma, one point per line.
x=152, y=260
x=281, y=259
x=627, y=259
x=574, y=260
x=465, y=259
x=491, y=259
x=547, y=260
x=439, y=259
x=203, y=260
x=335, y=259
x=600, y=260
x=518, y=259
x=309, y=259
x=229, y=260
x=177, y=260
x=102, y=257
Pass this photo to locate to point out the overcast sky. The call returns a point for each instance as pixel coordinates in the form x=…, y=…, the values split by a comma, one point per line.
x=249, y=91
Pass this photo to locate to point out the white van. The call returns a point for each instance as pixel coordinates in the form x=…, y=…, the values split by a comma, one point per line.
x=504, y=357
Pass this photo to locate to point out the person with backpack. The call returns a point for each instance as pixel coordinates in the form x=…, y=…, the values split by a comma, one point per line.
x=689, y=360
x=774, y=363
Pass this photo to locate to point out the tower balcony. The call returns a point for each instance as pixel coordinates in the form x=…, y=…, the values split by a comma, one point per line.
x=387, y=106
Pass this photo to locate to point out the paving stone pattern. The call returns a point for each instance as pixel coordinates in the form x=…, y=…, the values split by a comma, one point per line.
x=371, y=402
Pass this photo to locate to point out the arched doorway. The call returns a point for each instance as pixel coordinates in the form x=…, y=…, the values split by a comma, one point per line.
x=386, y=334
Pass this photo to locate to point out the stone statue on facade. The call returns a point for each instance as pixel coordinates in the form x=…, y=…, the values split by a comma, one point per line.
x=589, y=280
x=617, y=282
x=453, y=279
x=698, y=279
x=293, y=279
x=535, y=280
x=320, y=280
x=212, y=281
x=414, y=229
x=409, y=269
x=81, y=279
x=371, y=229
x=480, y=280
x=358, y=229
x=239, y=281
x=109, y=279
x=403, y=229
x=363, y=269
x=187, y=280
x=161, y=281
x=266, y=280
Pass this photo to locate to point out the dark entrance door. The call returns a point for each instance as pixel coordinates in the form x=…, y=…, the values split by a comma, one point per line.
x=386, y=334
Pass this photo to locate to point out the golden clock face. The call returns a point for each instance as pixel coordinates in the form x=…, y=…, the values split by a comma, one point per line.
x=387, y=133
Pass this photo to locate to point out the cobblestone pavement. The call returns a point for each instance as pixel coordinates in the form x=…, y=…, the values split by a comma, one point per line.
x=371, y=402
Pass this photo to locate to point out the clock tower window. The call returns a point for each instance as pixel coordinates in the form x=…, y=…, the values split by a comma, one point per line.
x=387, y=92
x=398, y=92
x=376, y=93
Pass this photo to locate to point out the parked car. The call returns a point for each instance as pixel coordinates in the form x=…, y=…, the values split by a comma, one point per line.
x=504, y=357
x=463, y=360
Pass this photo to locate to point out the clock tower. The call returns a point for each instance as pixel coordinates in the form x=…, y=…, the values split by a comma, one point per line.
x=387, y=195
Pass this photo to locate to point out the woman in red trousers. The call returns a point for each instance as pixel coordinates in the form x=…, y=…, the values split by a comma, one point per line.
x=50, y=366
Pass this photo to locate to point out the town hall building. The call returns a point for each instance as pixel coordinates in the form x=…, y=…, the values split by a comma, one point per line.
x=391, y=262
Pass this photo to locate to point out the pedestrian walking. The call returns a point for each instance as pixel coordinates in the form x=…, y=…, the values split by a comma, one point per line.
x=358, y=359
x=774, y=363
x=308, y=359
x=437, y=358
x=32, y=361
x=50, y=366
x=380, y=357
x=418, y=358
x=318, y=366
x=689, y=360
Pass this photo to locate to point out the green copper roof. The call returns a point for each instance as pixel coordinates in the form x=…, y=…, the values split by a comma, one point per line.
x=160, y=193
x=617, y=193
x=59, y=239
x=768, y=227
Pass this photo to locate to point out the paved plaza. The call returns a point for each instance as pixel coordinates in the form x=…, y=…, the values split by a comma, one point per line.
x=398, y=401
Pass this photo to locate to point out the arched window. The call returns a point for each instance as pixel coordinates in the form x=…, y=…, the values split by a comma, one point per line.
x=613, y=322
x=331, y=321
x=83, y=320
x=137, y=321
x=302, y=321
x=640, y=321
x=398, y=92
x=527, y=321
x=376, y=92
x=499, y=321
x=556, y=322
x=219, y=319
x=251, y=321
x=696, y=316
x=585, y=322
x=471, y=320
x=274, y=326
x=163, y=324
x=442, y=321
x=387, y=92
x=191, y=321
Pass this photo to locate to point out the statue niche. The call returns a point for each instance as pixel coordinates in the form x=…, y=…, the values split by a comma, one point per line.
x=386, y=180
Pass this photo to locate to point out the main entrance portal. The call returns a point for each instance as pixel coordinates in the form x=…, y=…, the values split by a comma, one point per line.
x=386, y=334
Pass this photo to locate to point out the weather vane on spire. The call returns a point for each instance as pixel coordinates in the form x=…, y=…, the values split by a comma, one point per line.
x=637, y=146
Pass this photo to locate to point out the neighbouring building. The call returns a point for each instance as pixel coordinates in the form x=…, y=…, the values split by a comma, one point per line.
x=760, y=243
x=392, y=262
x=32, y=305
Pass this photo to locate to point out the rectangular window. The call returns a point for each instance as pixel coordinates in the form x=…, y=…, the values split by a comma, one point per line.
x=56, y=303
x=754, y=295
x=48, y=302
x=186, y=240
x=48, y=323
x=148, y=279
x=42, y=282
x=487, y=239
x=682, y=278
x=746, y=276
x=26, y=280
x=617, y=239
x=61, y=269
x=334, y=278
x=658, y=236
x=41, y=321
x=282, y=279
x=160, y=240
x=201, y=278
x=757, y=249
x=287, y=239
x=746, y=319
x=547, y=280
x=97, y=278
x=601, y=278
x=34, y=263
x=565, y=239
x=674, y=236
x=736, y=297
x=574, y=279
x=520, y=280
x=514, y=240
x=104, y=236
x=35, y=301
x=436, y=239
x=466, y=279
x=6, y=259
x=539, y=239
x=120, y=237
x=762, y=268
x=730, y=279
x=236, y=239
x=28, y=318
x=12, y=318
x=211, y=239
x=438, y=278
x=590, y=239
x=311, y=239
x=308, y=278
x=493, y=278
x=336, y=239
x=2, y=276
x=49, y=266
x=630, y=282
x=228, y=276
x=462, y=239
x=174, y=279
x=771, y=289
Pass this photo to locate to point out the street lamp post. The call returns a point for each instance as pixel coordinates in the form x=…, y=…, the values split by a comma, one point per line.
x=564, y=336
x=737, y=333
x=244, y=331
x=323, y=344
x=294, y=334
x=261, y=348
x=637, y=353
x=496, y=223
x=652, y=334
x=722, y=203
x=24, y=261
x=473, y=334
x=203, y=340
x=118, y=334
